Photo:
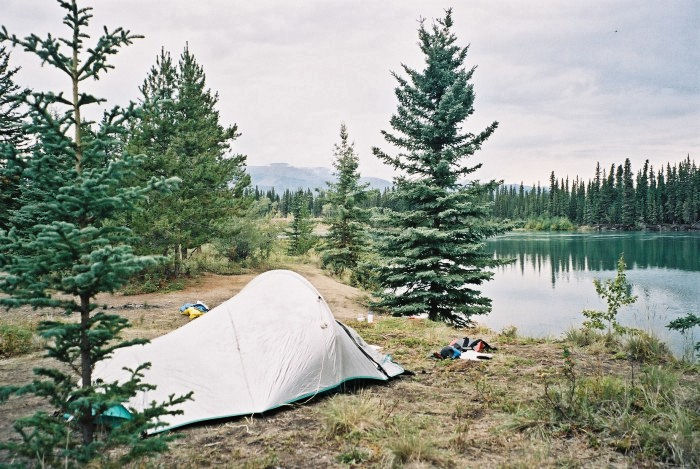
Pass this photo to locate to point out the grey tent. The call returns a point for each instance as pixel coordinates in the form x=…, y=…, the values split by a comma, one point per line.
x=274, y=343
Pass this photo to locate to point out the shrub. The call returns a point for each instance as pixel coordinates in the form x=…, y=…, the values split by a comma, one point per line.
x=250, y=239
x=616, y=293
x=508, y=334
x=17, y=339
x=595, y=341
x=154, y=280
x=684, y=324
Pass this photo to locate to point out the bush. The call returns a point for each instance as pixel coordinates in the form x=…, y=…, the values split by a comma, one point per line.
x=508, y=334
x=596, y=342
x=17, y=339
x=364, y=275
x=153, y=280
x=250, y=240
x=616, y=293
x=684, y=324
x=353, y=456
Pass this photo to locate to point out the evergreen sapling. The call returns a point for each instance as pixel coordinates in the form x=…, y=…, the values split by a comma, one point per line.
x=347, y=238
x=62, y=249
x=300, y=231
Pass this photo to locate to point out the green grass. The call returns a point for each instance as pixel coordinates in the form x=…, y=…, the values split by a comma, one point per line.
x=353, y=456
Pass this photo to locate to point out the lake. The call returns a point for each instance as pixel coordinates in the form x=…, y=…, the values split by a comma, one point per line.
x=550, y=282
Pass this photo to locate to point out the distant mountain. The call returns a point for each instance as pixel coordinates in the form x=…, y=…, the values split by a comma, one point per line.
x=282, y=176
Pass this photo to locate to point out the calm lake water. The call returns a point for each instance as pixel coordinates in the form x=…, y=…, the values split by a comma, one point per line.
x=550, y=282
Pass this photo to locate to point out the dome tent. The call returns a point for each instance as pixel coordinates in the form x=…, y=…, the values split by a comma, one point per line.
x=273, y=343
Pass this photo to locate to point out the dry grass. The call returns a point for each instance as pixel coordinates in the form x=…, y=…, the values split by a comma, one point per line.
x=349, y=416
x=449, y=414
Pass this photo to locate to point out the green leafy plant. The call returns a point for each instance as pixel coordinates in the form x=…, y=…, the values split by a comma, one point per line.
x=684, y=324
x=649, y=414
x=616, y=293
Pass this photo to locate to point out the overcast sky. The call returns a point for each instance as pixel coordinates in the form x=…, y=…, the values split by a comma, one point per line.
x=570, y=83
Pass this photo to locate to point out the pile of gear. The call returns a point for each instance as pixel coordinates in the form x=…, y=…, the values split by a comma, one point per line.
x=465, y=349
x=194, y=310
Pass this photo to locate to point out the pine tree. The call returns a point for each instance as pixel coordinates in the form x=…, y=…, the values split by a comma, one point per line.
x=432, y=256
x=13, y=141
x=346, y=239
x=180, y=132
x=300, y=232
x=61, y=251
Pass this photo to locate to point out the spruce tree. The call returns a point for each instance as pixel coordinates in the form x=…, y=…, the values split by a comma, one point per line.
x=300, y=232
x=346, y=239
x=180, y=133
x=61, y=251
x=432, y=252
x=13, y=140
x=628, y=205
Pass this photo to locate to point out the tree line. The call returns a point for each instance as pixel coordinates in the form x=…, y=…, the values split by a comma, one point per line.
x=318, y=201
x=615, y=196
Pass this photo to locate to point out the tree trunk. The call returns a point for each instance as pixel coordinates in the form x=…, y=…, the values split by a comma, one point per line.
x=86, y=423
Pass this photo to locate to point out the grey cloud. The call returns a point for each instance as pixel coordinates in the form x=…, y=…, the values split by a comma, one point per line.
x=567, y=89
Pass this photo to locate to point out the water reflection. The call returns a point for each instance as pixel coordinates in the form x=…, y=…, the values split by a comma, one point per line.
x=551, y=280
x=598, y=252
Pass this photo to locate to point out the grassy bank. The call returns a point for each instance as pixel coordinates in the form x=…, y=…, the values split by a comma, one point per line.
x=604, y=404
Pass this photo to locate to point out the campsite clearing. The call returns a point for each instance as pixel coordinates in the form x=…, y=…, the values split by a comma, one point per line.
x=449, y=414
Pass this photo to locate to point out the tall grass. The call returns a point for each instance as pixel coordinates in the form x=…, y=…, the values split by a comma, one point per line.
x=349, y=416
x=650, y=415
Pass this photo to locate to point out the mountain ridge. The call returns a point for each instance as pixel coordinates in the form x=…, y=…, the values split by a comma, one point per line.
x=283, y=176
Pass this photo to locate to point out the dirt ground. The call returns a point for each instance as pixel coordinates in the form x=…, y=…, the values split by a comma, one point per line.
x=459, y=410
